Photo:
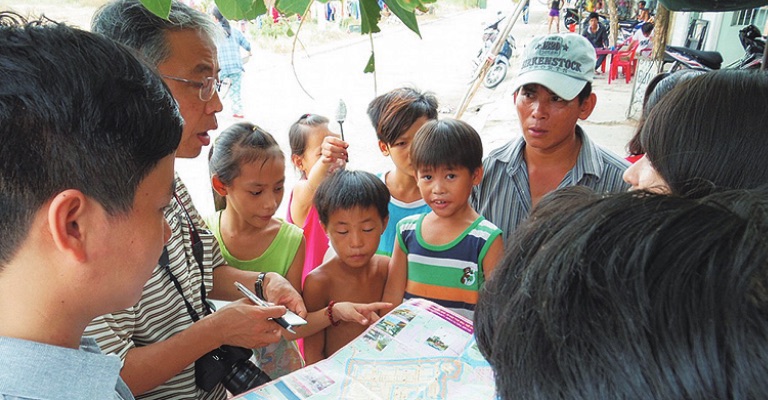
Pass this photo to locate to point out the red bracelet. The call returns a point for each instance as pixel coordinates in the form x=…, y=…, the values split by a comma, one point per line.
x=330, y=314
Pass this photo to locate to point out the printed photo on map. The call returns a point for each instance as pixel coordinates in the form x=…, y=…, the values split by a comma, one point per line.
x=404, y=313
x=377, y=339
x=436, y=343
x=391, y=325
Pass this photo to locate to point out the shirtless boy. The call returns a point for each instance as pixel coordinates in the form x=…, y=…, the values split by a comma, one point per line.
x=353, y=211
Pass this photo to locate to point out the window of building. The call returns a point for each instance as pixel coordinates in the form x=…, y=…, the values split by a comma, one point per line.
x=754, y=16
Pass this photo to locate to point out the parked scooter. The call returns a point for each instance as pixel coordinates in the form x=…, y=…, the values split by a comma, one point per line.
x=751, y=40
x=498, y=71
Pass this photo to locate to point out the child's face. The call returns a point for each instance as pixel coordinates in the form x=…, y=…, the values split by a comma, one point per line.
x=134, y=241
x=258, y=191
x=355, y=234
x=446, y=189
x=400, y=150
x=313, y=150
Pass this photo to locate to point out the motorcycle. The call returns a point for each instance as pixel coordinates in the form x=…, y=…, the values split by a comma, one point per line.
x=498, y=71
x=751, y=40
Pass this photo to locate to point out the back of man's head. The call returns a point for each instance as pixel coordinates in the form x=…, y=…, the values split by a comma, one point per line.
x=632, y=296
x=132, y=24
x=647, y=28
x=77, y=111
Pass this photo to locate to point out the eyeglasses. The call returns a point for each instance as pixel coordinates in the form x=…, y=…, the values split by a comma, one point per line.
x=208, y=86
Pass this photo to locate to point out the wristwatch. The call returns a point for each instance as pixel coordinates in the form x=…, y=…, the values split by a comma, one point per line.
x=260, y=285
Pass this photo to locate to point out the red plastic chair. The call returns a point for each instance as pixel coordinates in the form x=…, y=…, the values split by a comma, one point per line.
x=625, y=60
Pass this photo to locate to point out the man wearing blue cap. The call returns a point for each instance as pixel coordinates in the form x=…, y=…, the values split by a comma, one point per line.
x=553, y=92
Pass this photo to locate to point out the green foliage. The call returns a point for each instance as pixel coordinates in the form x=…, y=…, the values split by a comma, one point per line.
x=371, y=65
x=241, y=9
x=370, y=13
x=290, y=7
x=159, y=7
x=408, y=17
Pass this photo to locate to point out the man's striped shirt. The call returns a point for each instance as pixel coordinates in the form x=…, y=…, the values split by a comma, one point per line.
x=504, y=196
x=161, y=312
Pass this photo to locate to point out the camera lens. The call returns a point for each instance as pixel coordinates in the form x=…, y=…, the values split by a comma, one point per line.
x=244, y=376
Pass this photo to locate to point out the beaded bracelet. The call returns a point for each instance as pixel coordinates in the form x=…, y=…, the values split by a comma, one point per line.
x=330, y=314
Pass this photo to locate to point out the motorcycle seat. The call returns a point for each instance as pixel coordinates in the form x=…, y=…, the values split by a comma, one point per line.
x=711, y=59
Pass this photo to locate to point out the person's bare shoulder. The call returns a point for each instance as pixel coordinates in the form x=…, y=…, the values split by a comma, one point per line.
x=380, y=264
x=325, y=273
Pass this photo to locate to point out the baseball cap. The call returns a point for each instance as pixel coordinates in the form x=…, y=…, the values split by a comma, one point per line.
x=563, y=63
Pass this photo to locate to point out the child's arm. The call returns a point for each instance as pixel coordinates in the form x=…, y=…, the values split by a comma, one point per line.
x=315, y=297
x=493, y=256
x=334, y=154
x=396, y=278
x=317, y=321
x=293, y=274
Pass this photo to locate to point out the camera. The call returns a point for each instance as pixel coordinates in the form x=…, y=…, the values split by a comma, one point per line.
x=231, y=366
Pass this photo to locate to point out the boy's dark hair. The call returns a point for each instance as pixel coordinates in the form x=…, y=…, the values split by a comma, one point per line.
x=647, y=28
x=447, y=142
x=632, y=296
x=241, y=143
x=699, y=142
x=77, y=111
x=345, y=190
x=132, y=24
x=394, y=112
x=594, y=15
x=641, y=3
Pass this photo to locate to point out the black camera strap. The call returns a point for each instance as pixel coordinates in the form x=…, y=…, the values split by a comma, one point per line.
x=198, y=254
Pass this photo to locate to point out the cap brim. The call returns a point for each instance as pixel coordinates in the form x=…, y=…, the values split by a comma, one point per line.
x=562, y=85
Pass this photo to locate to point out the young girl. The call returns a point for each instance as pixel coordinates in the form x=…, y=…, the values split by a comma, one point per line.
x=447, y=254
x=247, y=174
x=554, y=15
x=316, y=152
x=396, y=116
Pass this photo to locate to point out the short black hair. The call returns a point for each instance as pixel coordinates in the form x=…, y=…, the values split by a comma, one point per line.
x=647, y=28
x=345, y=190
x=392, y=113
x=447, y=142
x=632, y=296
x=594, y=15
x=77, y=111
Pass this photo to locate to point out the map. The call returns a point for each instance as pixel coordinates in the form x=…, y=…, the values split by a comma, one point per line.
x=420, y=350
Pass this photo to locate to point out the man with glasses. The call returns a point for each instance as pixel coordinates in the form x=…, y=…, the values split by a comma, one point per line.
x=554, y=92
x=162, y=336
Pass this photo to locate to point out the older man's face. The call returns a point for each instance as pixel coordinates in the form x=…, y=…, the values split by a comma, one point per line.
x=193, y=57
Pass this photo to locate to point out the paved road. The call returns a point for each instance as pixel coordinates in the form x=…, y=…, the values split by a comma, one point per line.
x=440, y=62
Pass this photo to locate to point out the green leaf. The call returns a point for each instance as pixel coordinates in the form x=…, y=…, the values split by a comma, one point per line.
x=412, y=5
x=408, y=17
x=240, y=9
x=370, y=13
x=371, y=66
x=290, y=7
x=161, y=8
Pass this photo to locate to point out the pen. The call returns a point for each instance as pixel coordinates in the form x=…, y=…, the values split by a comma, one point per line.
x=259, y=302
